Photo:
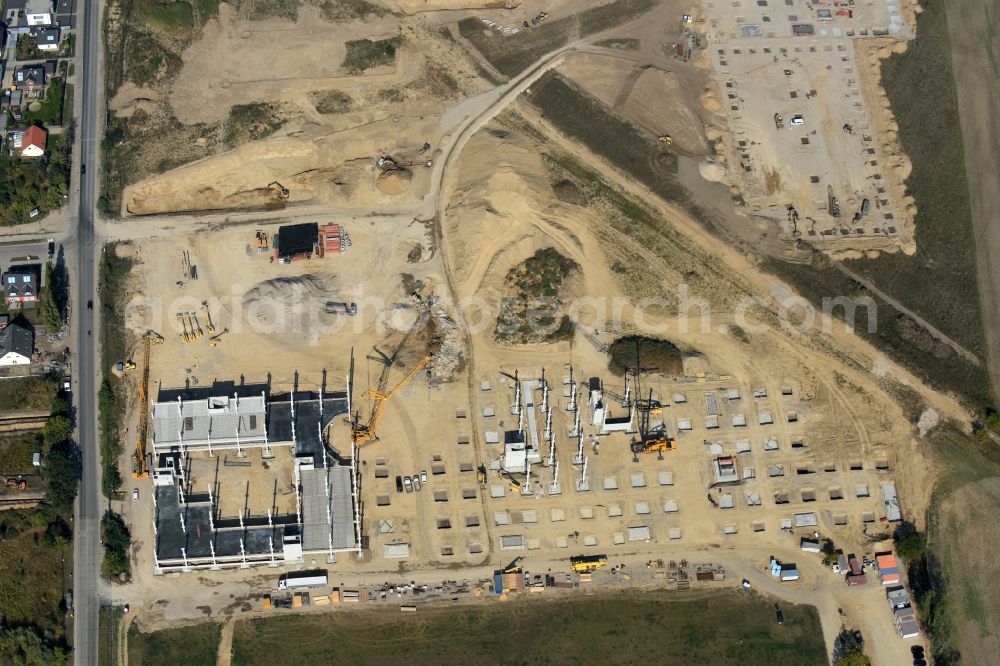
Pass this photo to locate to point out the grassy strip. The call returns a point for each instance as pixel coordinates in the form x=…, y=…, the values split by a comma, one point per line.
x=192, y=646
x=115, y=341
x=107, y=635
x=723, y=628
x=939, y=282
x=67, y=108
x=586, y=119
x=893, y=333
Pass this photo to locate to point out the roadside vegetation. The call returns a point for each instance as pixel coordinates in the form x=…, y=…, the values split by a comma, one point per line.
x=510, y=54
x=112, y=397
x=196, y=645
x=531, y=309
x=717, y=628
x=252, y=122
x=27, y=184
x=117, y=541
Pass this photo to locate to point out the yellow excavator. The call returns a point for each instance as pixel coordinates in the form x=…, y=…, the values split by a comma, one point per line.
x=365, y=433
x=280, y=190
x=665, y=139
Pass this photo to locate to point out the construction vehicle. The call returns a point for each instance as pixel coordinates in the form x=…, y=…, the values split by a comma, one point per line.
x=512, y=483
x=587, y=563
x=779, y=122
x=793, y=217
x=183, y=335
x=278, y=189
x=154, y=337
x=512, y=567
x=196, y=331
x=208, y=315
x=847, y=128
x=651, y=440
x=665, y=139
x=216, y=339
x=125, y=366
x=140, y=467
x=481, y=474
x=261, y=241
x=365, y=433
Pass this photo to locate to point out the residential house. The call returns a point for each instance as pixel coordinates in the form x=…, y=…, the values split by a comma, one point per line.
x=30, y=80
x=20, y=285
x=39, y=12
x=47, y=38
x=33, y=142
x=16, y=343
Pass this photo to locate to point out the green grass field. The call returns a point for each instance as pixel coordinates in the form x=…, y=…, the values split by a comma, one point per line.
x=726, y=627
x=28, y=393
x=196, y=645
x=939, y=282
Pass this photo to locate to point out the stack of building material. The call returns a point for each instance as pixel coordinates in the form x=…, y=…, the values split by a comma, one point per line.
x=513, y=582
x=330, y=240
x=888, y=568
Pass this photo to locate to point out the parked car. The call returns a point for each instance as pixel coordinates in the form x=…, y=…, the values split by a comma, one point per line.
x=399, y=484
x=135, y=494
x=778, y=615
x=416, y=482
x=408, y=483
x=423, y=476
x=797, y=120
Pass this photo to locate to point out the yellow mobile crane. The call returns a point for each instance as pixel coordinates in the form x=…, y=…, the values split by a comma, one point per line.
x=364, y=433
x=140, y=470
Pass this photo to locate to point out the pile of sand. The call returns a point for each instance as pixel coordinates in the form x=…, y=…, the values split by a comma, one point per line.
x=131, y=98
x=289, y=299
x=394, y=182
x=712, y=171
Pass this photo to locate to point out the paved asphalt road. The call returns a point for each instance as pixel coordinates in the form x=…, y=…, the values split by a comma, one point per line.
x=83, y=245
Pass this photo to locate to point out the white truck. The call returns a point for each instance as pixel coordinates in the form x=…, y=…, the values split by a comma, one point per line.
x=300, y=579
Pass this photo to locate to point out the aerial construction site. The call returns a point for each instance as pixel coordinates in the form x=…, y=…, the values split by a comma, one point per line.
x=424, y=338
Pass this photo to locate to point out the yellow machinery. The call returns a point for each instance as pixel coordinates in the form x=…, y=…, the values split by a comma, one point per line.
x=183, y=335
x=196, y=331
x=154, y=337
x=279, y=189
x=666, y=139
x=216, y=339
x=208, y=315
x=363, y=434
x=587, y=563
x=139, y=468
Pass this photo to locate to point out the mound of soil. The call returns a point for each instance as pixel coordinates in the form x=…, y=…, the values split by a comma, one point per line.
x=654, y=354
x=394, y=182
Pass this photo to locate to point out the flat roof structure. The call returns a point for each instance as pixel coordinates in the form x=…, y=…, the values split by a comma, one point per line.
x=295, y=240
x=219, y=421
x=891, y=502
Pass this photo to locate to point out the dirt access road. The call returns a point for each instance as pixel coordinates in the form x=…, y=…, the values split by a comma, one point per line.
x=975, y=57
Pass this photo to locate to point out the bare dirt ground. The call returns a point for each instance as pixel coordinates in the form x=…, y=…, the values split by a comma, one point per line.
x=974, y=60
x=496, y=206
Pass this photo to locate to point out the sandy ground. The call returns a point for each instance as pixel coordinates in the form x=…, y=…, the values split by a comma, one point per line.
x=973, y=47
x=495, y=207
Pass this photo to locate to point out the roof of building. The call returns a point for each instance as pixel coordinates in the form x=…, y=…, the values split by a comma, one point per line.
x=220, y=418
x=16, y=338
x=34, y=136
x=47, y=35
x=297, y=239
x=34, y=73
x=20, y=283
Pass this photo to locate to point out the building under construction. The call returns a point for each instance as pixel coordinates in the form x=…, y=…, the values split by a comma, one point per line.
x=206, y=440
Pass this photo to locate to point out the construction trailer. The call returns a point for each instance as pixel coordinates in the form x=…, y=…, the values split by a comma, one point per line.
x=587, y=563
x=296, y=241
